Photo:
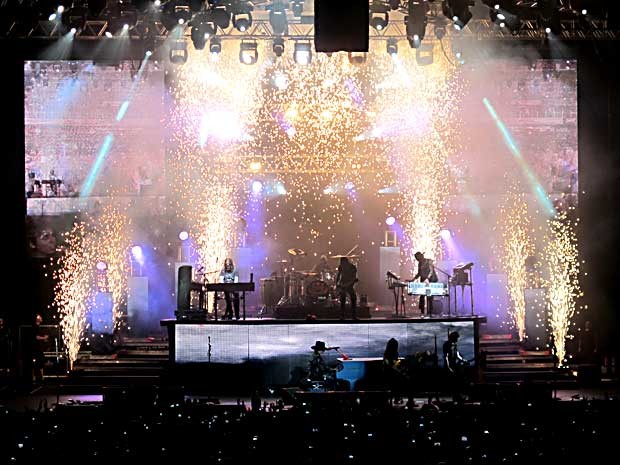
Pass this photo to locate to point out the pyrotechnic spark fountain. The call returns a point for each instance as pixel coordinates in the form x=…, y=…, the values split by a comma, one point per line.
x=74, y=276
x=516, y=245
x=562, y=258
x=110, y=241
x=105, y=238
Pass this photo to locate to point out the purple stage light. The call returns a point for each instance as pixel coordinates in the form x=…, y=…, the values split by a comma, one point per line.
x=183, y=235
x=390, y=220
x=445, y=234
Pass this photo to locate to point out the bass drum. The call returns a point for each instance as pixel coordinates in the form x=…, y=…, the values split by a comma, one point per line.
x=317, y=289
x=271, y=291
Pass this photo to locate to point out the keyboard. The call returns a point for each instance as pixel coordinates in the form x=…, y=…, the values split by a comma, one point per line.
x=417, y=288
x=230, y=287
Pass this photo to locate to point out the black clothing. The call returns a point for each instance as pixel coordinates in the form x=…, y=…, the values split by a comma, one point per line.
x=426, y=270
x=345, y=280
x=235, y=302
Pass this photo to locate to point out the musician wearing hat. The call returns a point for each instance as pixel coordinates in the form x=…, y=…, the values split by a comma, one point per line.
x=426, y=273
x=317, y=368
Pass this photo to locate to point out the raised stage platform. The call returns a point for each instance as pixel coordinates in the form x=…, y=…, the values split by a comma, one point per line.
x=279, y=348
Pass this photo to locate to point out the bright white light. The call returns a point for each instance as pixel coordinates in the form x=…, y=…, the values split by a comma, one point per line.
x=280, y=189
x=349, y=186
x=73, y=30
x=379, y=27
x=416, y=37
x=291, y=131
x=183, y=235
x=108, y=34
x=548, y=30
x=445, y=234
x=390, y=220
x=247, y=57
x=136, y=251
x=501, y=16
x=60, y=9
x=457, y=27
x=458, y=54
x=148, y=53
x=584, y=12
x=302, y=57
x=125, y=27
x=101, y=266
x=281, y=81
x=181, y=20
x=496, y=6
x=220, y=124
x=257, y=187
x=157, y=2
x=502, y=24
x=455, y=18
x=52, y=17
x=255, y=166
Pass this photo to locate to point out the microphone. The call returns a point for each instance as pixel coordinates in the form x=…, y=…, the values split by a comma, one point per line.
x=332, y=348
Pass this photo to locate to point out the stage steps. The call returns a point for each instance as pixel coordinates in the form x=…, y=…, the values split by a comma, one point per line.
x=505, y=361
x=138, y=361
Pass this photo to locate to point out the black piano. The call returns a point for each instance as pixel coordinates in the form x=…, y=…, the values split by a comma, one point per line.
x=229, y=287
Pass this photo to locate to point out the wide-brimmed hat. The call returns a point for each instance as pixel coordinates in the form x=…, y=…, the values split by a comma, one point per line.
x=319, y=346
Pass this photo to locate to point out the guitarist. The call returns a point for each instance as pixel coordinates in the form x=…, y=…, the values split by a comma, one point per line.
x=346, y=277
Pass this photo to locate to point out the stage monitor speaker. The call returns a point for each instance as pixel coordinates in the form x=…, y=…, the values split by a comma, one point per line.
x=341, y=25
x=184, y=288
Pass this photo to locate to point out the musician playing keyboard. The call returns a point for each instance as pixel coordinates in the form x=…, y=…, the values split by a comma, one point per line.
x=426, y=273
x=230, y=275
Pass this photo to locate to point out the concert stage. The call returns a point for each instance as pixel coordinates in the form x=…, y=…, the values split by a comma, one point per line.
x=318, y=311
x=278, y=348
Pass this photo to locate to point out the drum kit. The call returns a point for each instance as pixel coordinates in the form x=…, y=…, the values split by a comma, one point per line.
x=294, y=287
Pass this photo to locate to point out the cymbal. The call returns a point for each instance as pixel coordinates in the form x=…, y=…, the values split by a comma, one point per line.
x=308, y=273
x=296, y=252
x=344, y=256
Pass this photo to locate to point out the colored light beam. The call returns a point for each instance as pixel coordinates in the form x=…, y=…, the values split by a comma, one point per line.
x=535, y=185
x=89, y=183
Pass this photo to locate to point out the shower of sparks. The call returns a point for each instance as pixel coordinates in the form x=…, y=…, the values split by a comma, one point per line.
x=75, y=275
x=105, y=238
x=327, y=135
x=110, y=241
x=562, y=258
x=516, y=245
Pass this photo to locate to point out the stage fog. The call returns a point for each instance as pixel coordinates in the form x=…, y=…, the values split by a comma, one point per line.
x=468, y=159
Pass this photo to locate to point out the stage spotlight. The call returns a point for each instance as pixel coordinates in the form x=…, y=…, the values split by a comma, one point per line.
x=178, y=52
x=136, y=252
x=257, y=187
x=280, y=81
x=255, y=166
x=278, y=46
x=174, y=14
x=202, y=30
x=101, y=266
x=445, y=234
x=392, y=47
x=457, y=11
x=504, y=14
x=302, y=53
x=415, y=22
x=297, y=7
x=221, y=17
x=75, y=18
x=215, y=45
x=549, y=15
x=183, y=235
x=248, y=53
x=390, y=220
x=242, y=15
x=349, y=186
x=277, y=19
x=379, y=17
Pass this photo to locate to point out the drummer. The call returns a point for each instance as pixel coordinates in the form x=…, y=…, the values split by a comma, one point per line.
x=322, y=266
